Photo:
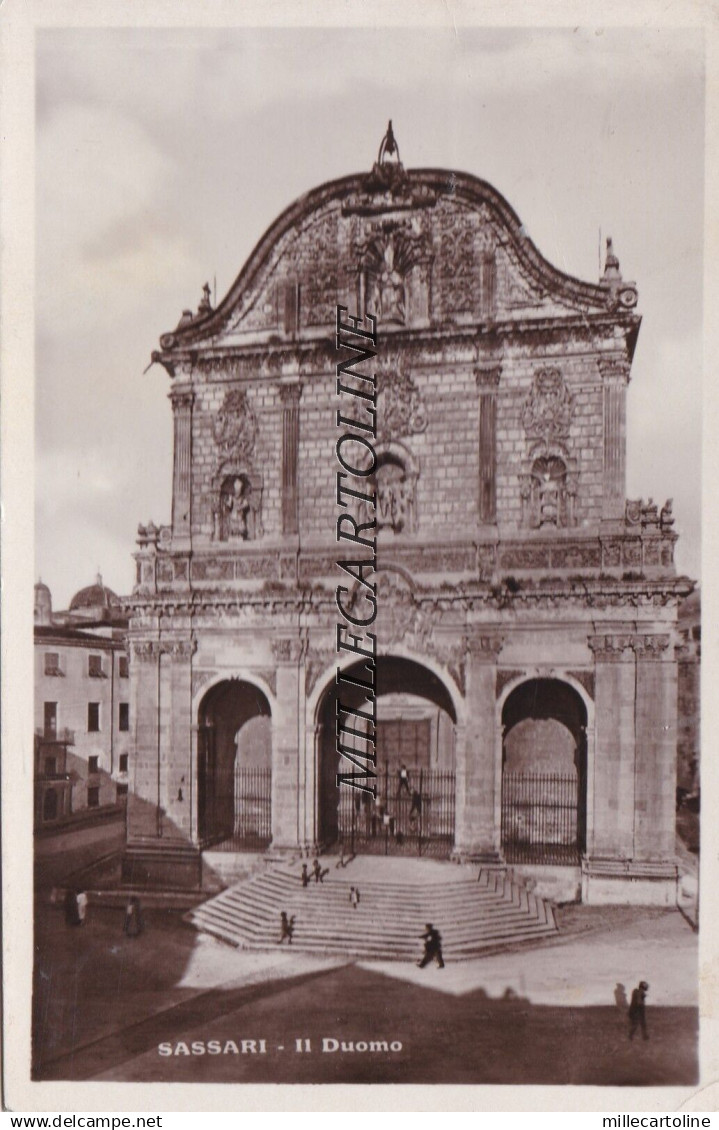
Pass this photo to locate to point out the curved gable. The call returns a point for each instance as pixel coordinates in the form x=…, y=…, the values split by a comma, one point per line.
x=428, y=247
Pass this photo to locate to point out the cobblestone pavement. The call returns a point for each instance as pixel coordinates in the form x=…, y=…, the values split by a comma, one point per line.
x=104, y=1004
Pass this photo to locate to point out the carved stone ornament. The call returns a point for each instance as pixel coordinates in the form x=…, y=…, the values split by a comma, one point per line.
x=483, y=645
x=318, y=660
x=505, y=677
x=548, y=410
x=149, y=650
x=235, y=428
x=269, y=675
x=199, y=678
x=613, y=647
x=586, y=679
x=400, y=409
x=146, y=650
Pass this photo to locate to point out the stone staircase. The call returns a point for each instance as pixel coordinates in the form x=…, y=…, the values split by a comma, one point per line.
x=474, y=915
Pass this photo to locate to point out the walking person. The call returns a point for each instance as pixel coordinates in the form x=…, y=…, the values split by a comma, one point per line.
x=81, y=899
x=134, y=923
x=637, y=1015
x=432, y=947
x=354, y=897
x=317, y=871
x=287, y=928
x=304, y=877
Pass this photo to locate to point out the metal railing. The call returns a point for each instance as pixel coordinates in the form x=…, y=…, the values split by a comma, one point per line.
x=408, y=817
x=541, y=818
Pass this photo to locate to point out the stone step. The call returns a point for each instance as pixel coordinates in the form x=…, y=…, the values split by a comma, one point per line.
x=473, y=914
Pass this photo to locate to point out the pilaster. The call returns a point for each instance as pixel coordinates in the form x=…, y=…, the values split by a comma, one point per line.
x=615, y=375
x=487, y=382
x=478, y=805
x=287, y=742
x=182, y=401
x=290, y=396
x=610, y=823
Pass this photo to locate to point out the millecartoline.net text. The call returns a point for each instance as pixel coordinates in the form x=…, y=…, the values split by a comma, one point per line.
x=356, y=340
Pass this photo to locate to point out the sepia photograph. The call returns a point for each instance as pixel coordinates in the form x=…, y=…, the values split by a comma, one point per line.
x=367, y=554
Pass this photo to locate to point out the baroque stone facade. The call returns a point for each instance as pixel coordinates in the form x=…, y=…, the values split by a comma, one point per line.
x=511, y=569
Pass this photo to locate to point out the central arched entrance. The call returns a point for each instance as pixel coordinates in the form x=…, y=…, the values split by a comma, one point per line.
x=414, y=810
x=544, y=773
x=234, y=763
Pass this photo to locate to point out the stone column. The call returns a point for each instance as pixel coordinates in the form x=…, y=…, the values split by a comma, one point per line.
x=655, y=791
x=182, y=400
x=611, y=821
x=477, y=833
x=615, y=375
x=287, y=740
x=290, y=396
x=487, y=377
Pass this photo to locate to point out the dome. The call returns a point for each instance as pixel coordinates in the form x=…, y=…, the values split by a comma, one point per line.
x=94, y=596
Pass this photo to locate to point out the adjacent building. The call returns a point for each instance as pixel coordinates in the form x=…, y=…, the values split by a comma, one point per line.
x=82, y=704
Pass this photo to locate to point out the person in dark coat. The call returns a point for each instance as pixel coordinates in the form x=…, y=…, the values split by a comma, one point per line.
x=432, y=947
x=318, y=871
x=403, y=780
x=637, y=1015
x=305, y=876
x=287, y=928
x=134, y=924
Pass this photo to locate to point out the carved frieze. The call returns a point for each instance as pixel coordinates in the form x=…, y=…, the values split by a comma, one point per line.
x=212, y=569
x=576, y=556
x=525, y=557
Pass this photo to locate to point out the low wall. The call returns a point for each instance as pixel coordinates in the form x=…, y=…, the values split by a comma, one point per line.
x=75, y=844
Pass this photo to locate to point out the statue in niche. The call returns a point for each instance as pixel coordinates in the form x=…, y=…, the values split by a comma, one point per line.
x=395, y=496
x=237, y=516
x=386, y=295
x=548, y=494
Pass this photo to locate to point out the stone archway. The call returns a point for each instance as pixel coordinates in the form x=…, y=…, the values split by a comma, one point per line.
x=544, y=773
x=414, y=810
x=234, y=766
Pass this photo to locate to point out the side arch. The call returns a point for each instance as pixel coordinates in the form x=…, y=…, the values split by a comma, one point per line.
x=234, y=765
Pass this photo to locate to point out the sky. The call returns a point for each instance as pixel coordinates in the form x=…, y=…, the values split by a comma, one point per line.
x=163, y=155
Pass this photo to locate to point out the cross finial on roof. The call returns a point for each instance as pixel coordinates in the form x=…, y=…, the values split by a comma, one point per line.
x=388, y=146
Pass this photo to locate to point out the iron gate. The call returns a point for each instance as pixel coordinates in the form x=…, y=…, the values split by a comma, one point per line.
x=414, y=816
x=250, y=828
x=540, y=818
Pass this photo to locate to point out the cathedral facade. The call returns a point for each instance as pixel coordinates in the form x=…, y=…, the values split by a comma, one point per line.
x=526, y=676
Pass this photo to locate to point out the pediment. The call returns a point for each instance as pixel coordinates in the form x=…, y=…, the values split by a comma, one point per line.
x=431, y=248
